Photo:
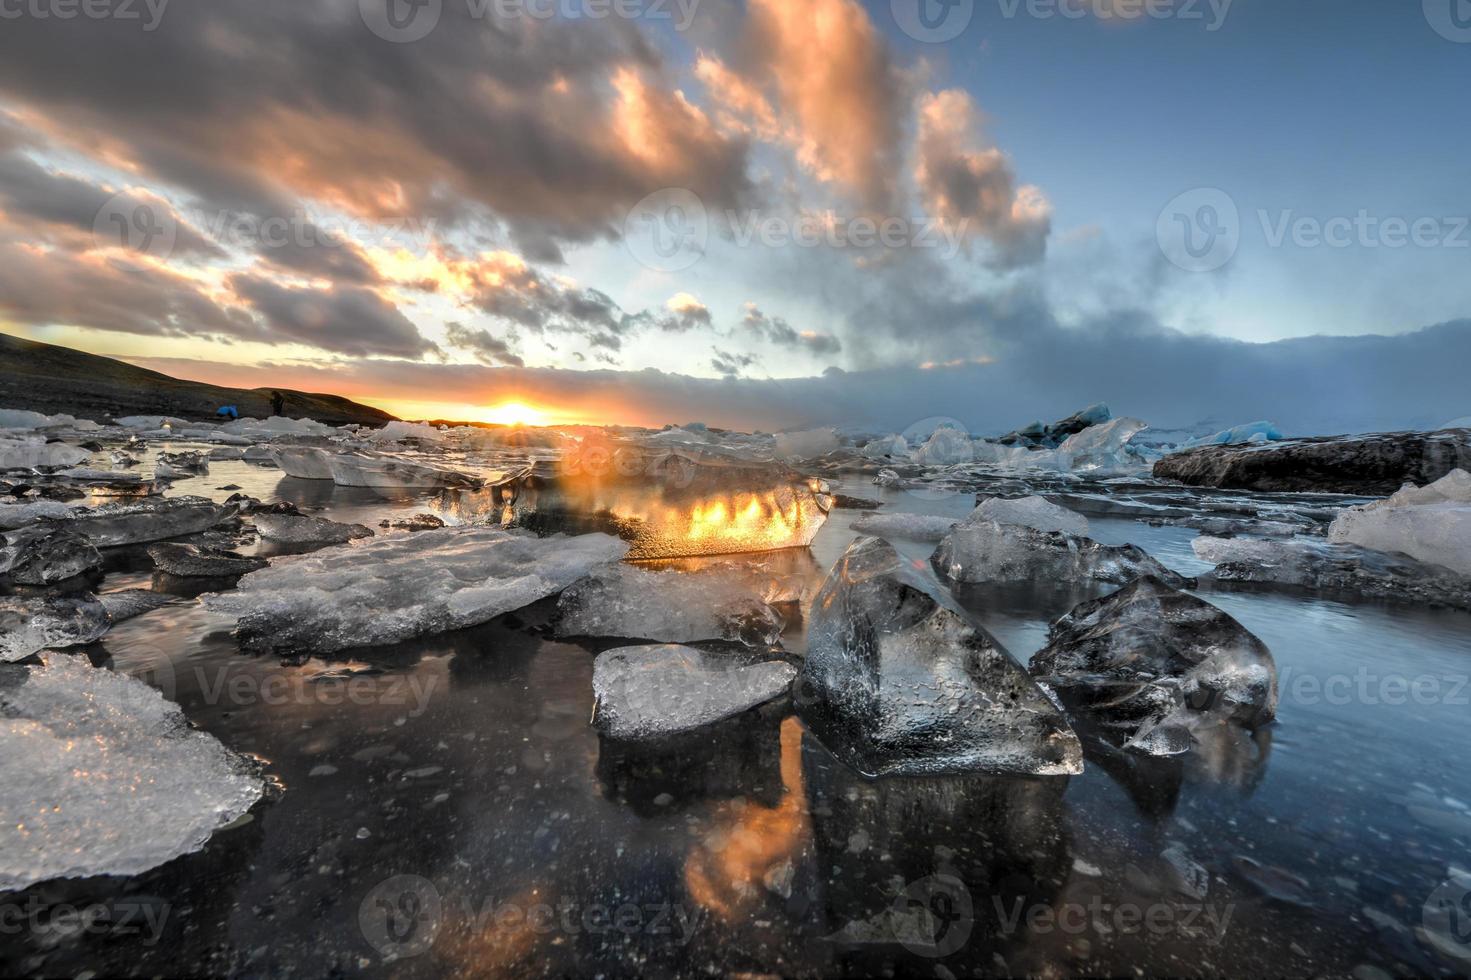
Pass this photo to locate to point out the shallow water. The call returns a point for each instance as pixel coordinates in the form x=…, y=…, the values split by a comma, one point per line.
x=447, y=808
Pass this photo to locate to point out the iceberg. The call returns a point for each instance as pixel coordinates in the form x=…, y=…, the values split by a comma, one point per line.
x=192, y=561
x=400, y=431
x=1103, y=448
x=358, y=470
x=1152, y=662
x=1033, y=512
x=100, y=775
x=885, y=446
x=654, y=691
x=668, y=606
x=45, y=553
x=807, y=444
x=1325, y=567
x=150, y=519
x=299, y=529
x=28, y=626
x=1431, y=523
x=397, y=587
x=1240, y=435
x=897, y=681
x=303, y=462
x=911, y=527
x=946, y=447
x=28, y=454
x=1051, y=436
x=984, y=551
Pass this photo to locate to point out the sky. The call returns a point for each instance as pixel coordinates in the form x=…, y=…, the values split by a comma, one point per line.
x=754, y=213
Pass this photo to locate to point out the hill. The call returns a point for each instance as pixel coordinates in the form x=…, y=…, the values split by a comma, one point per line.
x=51, y=379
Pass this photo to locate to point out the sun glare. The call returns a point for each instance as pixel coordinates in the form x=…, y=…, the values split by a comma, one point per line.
x=513, y=413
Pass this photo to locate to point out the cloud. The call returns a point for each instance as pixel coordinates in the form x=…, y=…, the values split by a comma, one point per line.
x=971, y=189
x=486, y=348
x=684, y=313
x=780, y=332
x=731, y=364
x=342, y=319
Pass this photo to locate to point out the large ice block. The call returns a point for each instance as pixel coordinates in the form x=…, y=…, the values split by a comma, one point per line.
x=363, y=470
x=303, y=462
x=30, y=625
x=653, y=691
x=45, y=553
x=634, y=603
x=150, y=519
x=1431, y=523
x=1034, y=512
x=898, y=681
x=985, y=551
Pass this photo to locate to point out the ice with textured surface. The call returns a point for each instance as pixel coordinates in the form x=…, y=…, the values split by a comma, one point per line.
x=912, y=527
x=188, y=561
x=985, y=551
x=99, y=775
x=398, y=587
x=153, y=519
x=23, y=454
x=44, y=553
x=296, y=529
x=30, y=625
x=1033, y=512
x=653, y=691
x=303, y=462
x=1431, y=523
x=668, y=606
x=358, y=470
x=898, y=681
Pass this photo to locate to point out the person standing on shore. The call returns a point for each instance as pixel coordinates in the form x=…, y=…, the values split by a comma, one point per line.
x=278, y=404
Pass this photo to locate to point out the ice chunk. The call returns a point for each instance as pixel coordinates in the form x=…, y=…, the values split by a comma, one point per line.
x=653, y=691
x=29, y=626
x=13, y=516
x=297, y=529
x=898, y=682
x=912, y=527
x=1431, y=523
x=99, y=775
x=13, y=418
x=397, y=431
x=358, y=470
x=1103, y=447
x=48, y=552
x=668, y=606
x=179, y=466
x=25, y=454
x=151, y=422
x=275, y=427
x=1334, y=568
x=806, y=444
x=131, y=603
x=1050, y=436
x=303, y=462
x=886, y=446
x=946, y=447
x=1239, y=435
x=984, y=551
x=192, y=561
x=1033, y=512
x=1152, y=661
x=151, y=519
x=397, y=587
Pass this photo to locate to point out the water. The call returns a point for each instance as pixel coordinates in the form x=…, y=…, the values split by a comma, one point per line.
x=448, y=808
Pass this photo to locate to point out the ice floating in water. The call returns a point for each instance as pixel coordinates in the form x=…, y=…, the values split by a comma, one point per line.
x=884, y=446
x=653, y=691
x=13, y=516
x=1051, y=436
x=398, y=587
x=131, y=603
x=1253, y=432
x=25, y=454
x=99, y=775
x=191, y=561
x=666, y=505
x=1338, y=568
x=179, y=466
x=1033, y=512
x=911, y=527
x=668, y=606
x=946, y=447
x=807, y=444
x=297, y=529
x=1430, y=523
x=28, y=626
x=152, y=519
x=42, y=554
x=303, y=462
x=897, y=681
x=357, y=470
x=1103, y=448
x=12, y=418
x=1152, y=662
x=984, y=551
x=275, y=427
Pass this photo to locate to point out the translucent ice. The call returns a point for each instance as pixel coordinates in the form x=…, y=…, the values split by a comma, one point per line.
x=303, y=462
x=190, y=561
x=806, y=444
x=48, y=552
x=668, y=606
x=30, y=625
x=652, y=691
x=1033, y=512
x=912, y=527
x=946, y=447
x=1103, y=448
x=397, y=587
x=358, y=470
x=897, y=681
x=179, y=466
x=1151, y=661
x=1431, y=523
x=297, y=529
x=23, y=454
x=1239, y=435
x=984, y=551
x=99, y=775
x=151, y=519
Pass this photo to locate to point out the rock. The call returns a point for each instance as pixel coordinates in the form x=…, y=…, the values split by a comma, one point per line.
x=984, y=551
x=295, y=529
x=28, y=626
x=654, y=691
x=192, y=561
x=1371, y=465
x=1432, y=524
x=1151, y=662
x=897, y=681
x=419, y=522
x=633, y=603
x=45, y=553
x=1034, y=512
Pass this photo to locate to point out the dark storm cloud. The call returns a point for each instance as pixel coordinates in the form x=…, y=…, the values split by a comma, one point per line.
x=343, y=319
x=488, y=349
x=779, y=331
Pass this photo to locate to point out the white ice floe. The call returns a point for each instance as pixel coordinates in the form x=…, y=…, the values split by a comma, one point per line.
x=1033, y=512
x=652, y=691
x=303, y=462
x=271, y=428
x=397, y=431
x=30, y=625
x=1432, y=524
x=911, y=527
x=946, y=447
x=668, y=606
x=401, y=586
x=99, y=775
x=24, y=454
x=356, y=470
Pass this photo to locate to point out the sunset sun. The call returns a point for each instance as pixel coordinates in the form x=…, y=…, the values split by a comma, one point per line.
x=513, y=413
